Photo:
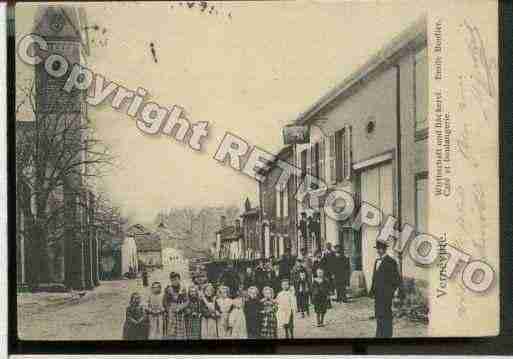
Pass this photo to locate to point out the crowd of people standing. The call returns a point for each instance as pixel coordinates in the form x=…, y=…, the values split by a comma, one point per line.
x=261, y=302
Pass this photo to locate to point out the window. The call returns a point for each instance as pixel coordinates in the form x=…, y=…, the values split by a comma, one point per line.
x=322, y=157
x=332, y=159
x=348, y=152
x=304, y=157
x=421, y=90
x=315, y=160
x=278, y=203
x=285, y=194
x=339, y=155
x=308, y=167
x=421, y=198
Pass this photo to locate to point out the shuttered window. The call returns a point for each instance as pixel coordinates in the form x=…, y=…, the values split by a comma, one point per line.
x=421, y=90
x=315, y=160
x=285, y=208
x=322, y=160
x=343, y=154
x=278, y=203
x=421, y=202
x=348, y=148
x=332, y=160
x=304, y=157
x=340, y=144
x=308, y=167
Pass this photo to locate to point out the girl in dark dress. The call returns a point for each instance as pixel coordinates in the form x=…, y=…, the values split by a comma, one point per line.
x=302, y=289
x=320, y=296
x=252, y=313
x=136, y=322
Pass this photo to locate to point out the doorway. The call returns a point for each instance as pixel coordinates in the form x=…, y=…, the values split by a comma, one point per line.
x=377, y=189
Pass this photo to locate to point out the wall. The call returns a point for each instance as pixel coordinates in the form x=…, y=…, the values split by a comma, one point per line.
x=413, y=159
x=375, y=101
x=128, y=255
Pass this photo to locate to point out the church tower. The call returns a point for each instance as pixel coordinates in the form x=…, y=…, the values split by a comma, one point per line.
x=74, y=255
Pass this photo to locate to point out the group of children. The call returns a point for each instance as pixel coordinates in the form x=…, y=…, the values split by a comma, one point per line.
x=207, y=313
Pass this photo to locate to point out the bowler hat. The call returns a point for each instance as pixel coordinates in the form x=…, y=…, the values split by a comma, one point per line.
x=380, y=244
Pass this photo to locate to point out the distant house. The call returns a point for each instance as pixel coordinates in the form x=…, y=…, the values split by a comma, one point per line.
x=251, y=231
x=177, y=248
x=229, y=240
x=149, y=249
x=172, y=257
x=162, y=247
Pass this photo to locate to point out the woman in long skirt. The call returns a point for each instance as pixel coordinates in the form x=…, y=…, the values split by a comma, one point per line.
x=268, y=323
x=210, y=313
x=193, y=314
x=286, y=310
x=155, y=310
x=237, y=320
x=136, y=324
x=224, y=304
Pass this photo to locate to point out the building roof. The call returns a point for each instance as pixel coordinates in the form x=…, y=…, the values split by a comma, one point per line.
x=137, y=230
x=166, y=233
x=74, y=23
x=148, y=243
x=251, y=212
x=412, y=37
x=285, y=153
x=229, y=233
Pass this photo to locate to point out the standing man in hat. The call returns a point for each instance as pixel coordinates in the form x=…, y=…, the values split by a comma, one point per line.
x=303, y=230
x=342, y=272
x=385, y=280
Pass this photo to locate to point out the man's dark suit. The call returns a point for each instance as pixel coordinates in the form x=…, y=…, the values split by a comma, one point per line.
x=342, y=272
x=285, y=266
x=385, y=281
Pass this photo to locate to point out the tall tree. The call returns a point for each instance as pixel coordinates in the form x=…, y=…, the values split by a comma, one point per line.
x=56, y=155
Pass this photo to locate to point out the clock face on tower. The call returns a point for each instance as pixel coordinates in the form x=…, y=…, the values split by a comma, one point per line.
x=57, y=22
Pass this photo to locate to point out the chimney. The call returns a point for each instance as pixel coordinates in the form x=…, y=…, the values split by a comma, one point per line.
x=223, y=222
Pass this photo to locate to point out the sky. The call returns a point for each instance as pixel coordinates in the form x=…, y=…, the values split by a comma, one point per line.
x=245, y=67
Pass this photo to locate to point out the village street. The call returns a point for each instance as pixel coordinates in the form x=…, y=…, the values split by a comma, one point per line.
x=99, y=315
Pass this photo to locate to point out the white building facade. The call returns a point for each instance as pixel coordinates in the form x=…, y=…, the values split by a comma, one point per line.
x=369, y=137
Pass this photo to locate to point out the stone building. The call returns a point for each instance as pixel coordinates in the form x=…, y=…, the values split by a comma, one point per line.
x=369, y=137
x=229, y=240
